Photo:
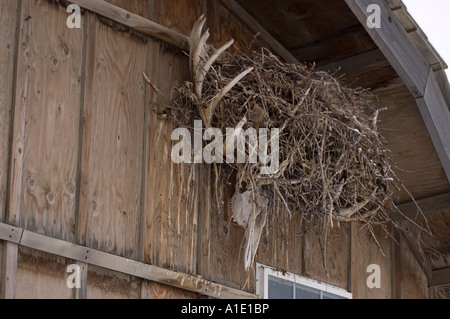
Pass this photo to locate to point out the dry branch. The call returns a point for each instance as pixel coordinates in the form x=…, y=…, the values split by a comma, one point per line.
x=334, y=163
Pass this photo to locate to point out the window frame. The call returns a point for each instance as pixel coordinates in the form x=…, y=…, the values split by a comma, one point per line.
x=262, y=282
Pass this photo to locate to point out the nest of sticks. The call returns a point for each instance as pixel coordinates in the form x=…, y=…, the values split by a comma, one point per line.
x=334, y=165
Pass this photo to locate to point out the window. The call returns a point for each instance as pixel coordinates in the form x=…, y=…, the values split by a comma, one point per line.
x=272, y=284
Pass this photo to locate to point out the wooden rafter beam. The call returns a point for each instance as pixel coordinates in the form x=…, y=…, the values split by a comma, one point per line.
x=358, y=61
x=415, y=72
x=440, y=277
x=134, y=21
x=16, y=237
x=431, y=205
x=245, y=18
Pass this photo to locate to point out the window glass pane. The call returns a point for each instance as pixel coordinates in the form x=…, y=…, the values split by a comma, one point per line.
x=327, y=295
x=303, y=292
x=280, y=289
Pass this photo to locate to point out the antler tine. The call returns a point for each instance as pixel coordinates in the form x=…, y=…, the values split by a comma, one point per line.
x=200, y=66
x=349, y=212
x=202, y=72
x=198, y=53
x=208, y=113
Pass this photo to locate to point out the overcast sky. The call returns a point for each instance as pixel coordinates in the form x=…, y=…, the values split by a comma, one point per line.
x=433, y=17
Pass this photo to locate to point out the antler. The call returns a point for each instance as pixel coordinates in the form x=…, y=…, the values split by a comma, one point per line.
x=200, y=65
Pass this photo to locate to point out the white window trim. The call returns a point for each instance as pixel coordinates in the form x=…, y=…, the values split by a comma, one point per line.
x=262, y=280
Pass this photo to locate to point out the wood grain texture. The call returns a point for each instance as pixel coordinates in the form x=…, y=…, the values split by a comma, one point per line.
x=111, y=167
x=42, y=276
x=337, y=256
x=8, y=25
x=139, y=7
x=395, y=44
x=81, y=293
x=224, y=27
x=418, y=164
x=281, y=243
x=413, y=281
x=154, y=290
x=440, y=277
x=178, y=15
x=221, y=242
x=107, y=284
x=170, y=200
x=46, y=122
x=2, y=244
x=365, y=252
x=256, y=28
x=8, y=289
x=134, y=21
x=436, y=115
x=131, y=267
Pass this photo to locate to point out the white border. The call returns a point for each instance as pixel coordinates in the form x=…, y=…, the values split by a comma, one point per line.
x=262, y=278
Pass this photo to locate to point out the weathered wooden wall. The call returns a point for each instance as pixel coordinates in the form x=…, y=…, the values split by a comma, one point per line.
x=85, y=157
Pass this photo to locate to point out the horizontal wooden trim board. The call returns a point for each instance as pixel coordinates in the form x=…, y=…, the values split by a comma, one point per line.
x=431, y=205
x=440, y=277
x=138, y=269
x=135, y=22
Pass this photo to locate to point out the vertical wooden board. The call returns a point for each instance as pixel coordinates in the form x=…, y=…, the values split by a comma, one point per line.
x=337, y=256
x=46, y=121
x=224, y=27
x=1, y=267
x=170, y=198
x=8, y=25
x=42, y=276
x=204, y=243
x=106, y=284
x=365, y=252
x=221, y=245
x=139, y=7
x=111, y=167
x=413, y=281
x=154, y=290
x=178, y=15
x=9, y=271
x=281, y=243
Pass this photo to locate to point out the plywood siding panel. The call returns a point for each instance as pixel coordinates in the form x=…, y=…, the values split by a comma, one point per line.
x=139, y=7
x=170, y=198
x=111, y=168
x=106, y=284
x=413, y=281
x=178, y=15
x=154, y=290
x=8, y=25
x=224, y=27
x=1, y=267
x=281, y=243
x=46, y=127
x=337, y=250
x=365, y=252
x=42, y=276
x=221, y=242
